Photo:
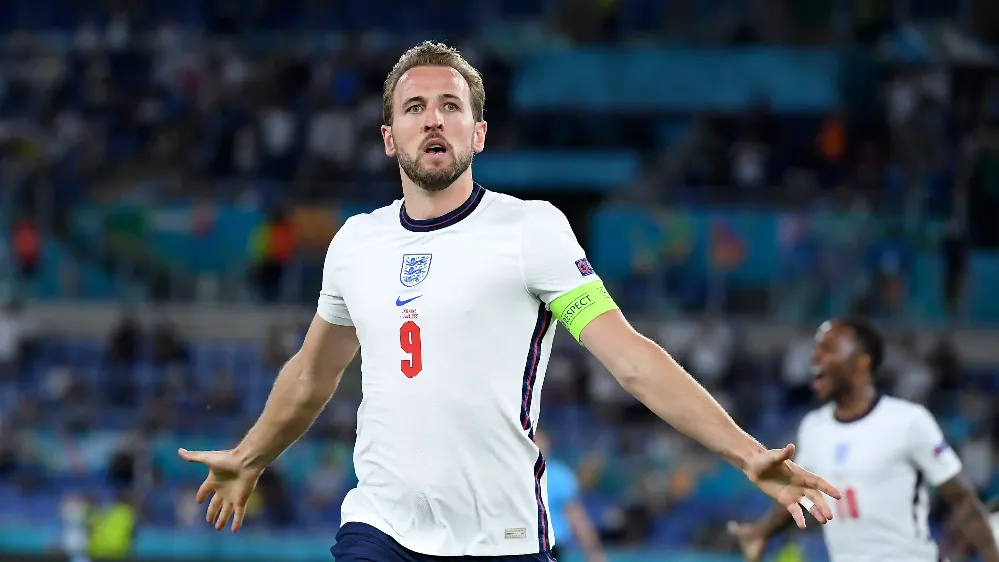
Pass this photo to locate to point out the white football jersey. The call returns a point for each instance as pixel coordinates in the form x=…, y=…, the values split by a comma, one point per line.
x=882, y=464
x=451, y=314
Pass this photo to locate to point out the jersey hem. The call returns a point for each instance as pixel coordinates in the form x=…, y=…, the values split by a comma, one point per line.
x=480, y=550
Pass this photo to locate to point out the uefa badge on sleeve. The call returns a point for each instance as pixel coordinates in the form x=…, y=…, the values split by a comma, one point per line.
x=584, y=267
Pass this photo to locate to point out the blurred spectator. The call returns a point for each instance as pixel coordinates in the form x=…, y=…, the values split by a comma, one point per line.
x=273, y=249
x=222, y=398
x=832, y=146
x=944, y=361
x=19, y=461
x=671, y=471
x=610, y=400
x=16, y=339
x=124, y=348
x=977, y=455
x=168, y=348
x=188, y=513
x=128, y=468
x=125, y=342
x=796, y=370
x=331, y=146
x=982, y=177
x=727, y=252
x=63, y=391
x=711, y=352
x=750, y=161
x=328, y=483
x=27, y=249
x=282, y=342
x=955, y=249
x=561, y=380
x=113, y=528
x=891, y=266
x=912, y=377
x=74, y=512
x=277, y=506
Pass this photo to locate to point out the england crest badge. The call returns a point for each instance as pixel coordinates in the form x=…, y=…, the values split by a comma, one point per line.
x=415, y=268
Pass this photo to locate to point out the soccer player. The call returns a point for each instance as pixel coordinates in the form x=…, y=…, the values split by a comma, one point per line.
x=569, y=517
x=451, y=294
x=882, y=452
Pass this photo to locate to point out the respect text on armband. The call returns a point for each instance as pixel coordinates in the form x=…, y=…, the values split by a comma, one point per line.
x=582, y=302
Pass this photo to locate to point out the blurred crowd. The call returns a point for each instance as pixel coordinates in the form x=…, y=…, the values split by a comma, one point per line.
x=127, y=103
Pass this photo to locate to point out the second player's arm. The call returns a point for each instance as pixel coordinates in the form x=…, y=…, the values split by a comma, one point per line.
x=652, y=376
x=970, y=517
x=303, y=387
x=583, y=530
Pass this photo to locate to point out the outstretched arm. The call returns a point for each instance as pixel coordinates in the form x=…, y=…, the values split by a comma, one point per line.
x=556, y=270
x=309, y=379
x=302, y=389
x=649, y=373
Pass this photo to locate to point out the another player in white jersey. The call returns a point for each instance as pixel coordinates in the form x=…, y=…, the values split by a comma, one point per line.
x=882, y=452
x=451, y=294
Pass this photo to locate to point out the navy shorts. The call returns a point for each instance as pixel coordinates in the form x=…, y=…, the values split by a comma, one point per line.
x=360, y=542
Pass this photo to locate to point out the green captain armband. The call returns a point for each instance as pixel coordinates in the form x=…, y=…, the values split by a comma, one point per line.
x=580, y=306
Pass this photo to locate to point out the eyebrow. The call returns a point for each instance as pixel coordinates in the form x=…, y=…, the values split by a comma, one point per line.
x=421, y=99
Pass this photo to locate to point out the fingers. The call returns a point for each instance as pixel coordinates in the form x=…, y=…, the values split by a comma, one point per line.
x=237, y=519
x=787, y=453
x=771, y=459
x=799, y=517
x=192, y=456
x=224, y=516
x=805, y=479
x=204, y=491
x=213, y=508
x=821, y=510
x=778, y=456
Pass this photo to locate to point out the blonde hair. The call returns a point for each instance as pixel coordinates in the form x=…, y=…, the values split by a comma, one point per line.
x=429, y=53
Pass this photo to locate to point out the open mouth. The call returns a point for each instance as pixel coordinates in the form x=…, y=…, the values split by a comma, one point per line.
x=435, y=148
x=818, y=378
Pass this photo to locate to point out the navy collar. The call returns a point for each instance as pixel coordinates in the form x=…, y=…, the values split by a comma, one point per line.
x=445, y=220
x=867, y=412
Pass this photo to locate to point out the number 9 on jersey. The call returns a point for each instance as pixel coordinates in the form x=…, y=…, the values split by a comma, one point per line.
x=409, y=341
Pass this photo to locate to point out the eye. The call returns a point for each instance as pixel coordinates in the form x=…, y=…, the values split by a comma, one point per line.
x=451, y=106
x=414, y=109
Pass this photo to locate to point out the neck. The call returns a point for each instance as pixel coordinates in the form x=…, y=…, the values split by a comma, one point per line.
x=424, y=205
x=855, y=403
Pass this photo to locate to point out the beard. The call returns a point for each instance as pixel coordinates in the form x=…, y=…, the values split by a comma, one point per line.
x=438, y=179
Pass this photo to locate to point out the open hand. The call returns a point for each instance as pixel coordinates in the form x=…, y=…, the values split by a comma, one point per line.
x=228, y=483
x=773, y=472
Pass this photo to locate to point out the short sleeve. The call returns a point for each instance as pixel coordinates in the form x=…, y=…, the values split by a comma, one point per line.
x=554, y=262
x=332, y=307
x=557, y=271
x=929, y=451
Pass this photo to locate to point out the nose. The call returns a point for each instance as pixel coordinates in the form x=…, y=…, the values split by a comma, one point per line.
x=434, y=120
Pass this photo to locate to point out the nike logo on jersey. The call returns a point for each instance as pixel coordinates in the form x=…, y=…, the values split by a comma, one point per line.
x=400, y=302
